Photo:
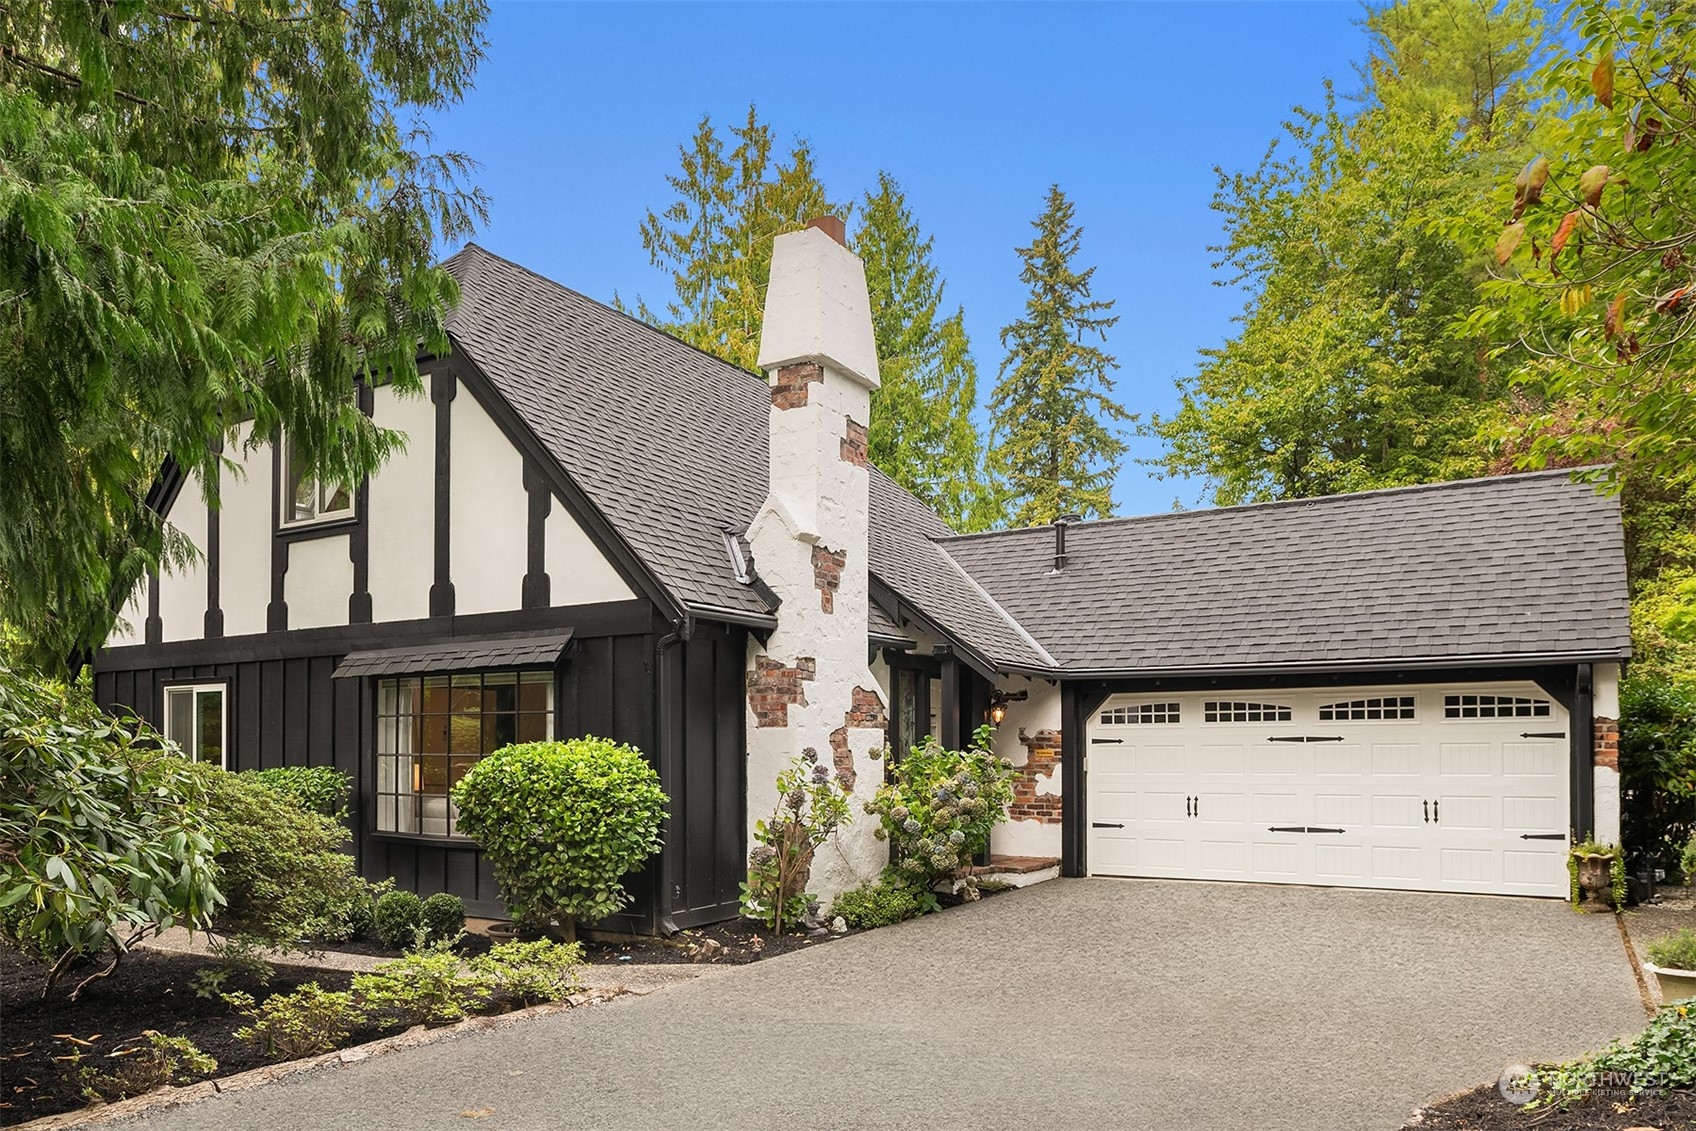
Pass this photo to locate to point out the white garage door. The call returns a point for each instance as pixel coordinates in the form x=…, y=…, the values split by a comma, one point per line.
x=1435, y=788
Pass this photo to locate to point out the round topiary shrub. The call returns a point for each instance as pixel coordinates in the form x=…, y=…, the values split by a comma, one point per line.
x=444, y=917
x=561, y=823
x=398, y=918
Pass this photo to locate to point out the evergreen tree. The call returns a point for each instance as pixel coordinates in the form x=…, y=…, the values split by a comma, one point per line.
x=209, y=213
x=921, y=434
x=1347, y=372
x=715, y=239
x=1056, y=446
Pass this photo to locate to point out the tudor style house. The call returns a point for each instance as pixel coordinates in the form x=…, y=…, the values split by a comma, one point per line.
x=595, y=529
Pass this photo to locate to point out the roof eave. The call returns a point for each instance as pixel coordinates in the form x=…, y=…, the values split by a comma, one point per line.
x=1324, y=667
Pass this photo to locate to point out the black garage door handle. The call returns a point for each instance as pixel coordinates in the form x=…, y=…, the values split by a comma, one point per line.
x=1104, y=825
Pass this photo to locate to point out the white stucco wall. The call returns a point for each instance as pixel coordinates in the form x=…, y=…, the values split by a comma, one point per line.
x=1605, y=689
x=402, y=510
x=1039, y=712
x=578, y=573
x=244, y=535
x=319, y=581
x=488, y=513
x=182, y=593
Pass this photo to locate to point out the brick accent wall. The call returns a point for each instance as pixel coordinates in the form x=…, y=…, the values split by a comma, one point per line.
x=827, y=575
x=865, y=710
x=854, y=444
x=772, y=687
x=1607, y=743
x=1042, y=760
x=790, y=388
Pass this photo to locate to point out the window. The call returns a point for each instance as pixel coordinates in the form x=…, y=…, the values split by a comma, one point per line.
x=1371, y=710
x=1223, y=712
x=431, y=729
x=1494, y=707
x=1142, y=713
x=306, y=499
x=195, y=719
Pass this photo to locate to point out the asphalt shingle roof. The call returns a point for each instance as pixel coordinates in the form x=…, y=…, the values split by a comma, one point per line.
x=460, y=655
x=671, y=444
x=1522, y=565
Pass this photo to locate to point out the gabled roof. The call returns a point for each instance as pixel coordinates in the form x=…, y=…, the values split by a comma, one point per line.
x=670, y=445
x=1524, y=566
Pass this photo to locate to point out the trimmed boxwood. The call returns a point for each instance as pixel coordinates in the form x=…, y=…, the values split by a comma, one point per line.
x=562, y=823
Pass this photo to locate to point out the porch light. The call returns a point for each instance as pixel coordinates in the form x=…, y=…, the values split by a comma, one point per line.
x=998, y=701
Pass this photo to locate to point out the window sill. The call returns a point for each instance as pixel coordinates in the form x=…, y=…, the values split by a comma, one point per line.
x=316, y=528
x=437, y=840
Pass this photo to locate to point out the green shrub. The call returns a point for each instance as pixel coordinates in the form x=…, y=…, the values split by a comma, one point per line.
x=810, y=807
x=284, y=882
x=355, y=917
x=309, y=1021
x=529, y=973
x=443, y=915
x=562, y=823
x=317, y=789
x=104, y=831
x=1657, y=766
x=1675, y=951
x=1662, y=1056
x=399, y=922
x=889, y=899
x=425, y=988
x=939, y=806
x=138, y=1070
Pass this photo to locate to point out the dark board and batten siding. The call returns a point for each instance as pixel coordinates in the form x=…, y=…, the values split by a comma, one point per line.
x=681, y=704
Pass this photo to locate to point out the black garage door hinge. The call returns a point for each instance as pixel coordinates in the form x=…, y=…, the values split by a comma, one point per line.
x=1306, y=738
x=1108, y=741
x=1543, y=734
x=1299, y=829
x=1104, y=825
x=1542, y=836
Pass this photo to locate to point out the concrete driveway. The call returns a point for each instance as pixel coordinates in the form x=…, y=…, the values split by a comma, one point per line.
x=1074, y=1004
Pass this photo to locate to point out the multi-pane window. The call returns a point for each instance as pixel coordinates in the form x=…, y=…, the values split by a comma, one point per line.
x=1494, y=707
x=195, y=719
x=308, y=499
x=1221, y=711
x=431, y=729
x=1377, y=708
x=1142, y=713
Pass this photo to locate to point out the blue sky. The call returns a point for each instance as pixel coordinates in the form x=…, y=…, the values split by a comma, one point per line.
x=975, y=108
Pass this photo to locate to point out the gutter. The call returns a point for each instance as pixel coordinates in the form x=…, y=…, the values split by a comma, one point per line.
x=1319, y=667
x=731, y=616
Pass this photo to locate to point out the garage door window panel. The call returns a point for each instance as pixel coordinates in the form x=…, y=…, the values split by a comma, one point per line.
x=1237, y=711
x=1470, y=706
x=1378, y=708
x=1142, y=714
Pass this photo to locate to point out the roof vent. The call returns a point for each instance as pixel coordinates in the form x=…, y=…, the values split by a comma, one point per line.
x=1060, y=525
x=741, y=556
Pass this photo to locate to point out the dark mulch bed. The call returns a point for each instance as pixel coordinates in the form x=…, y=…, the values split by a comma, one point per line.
x=1484, y=1109
x=147, y=991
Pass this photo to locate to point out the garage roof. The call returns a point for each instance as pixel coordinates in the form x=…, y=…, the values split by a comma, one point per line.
x=1518, y=568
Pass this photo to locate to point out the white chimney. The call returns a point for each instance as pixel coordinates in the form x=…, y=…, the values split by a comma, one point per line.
x=810, y=687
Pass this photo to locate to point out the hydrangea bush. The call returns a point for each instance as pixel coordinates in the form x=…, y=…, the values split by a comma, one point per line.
x=937, y=809
x=810, y=808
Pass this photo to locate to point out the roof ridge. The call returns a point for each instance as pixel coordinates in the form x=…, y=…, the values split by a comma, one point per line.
x=1305, y=501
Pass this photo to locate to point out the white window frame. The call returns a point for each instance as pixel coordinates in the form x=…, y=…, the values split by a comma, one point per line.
x=195, y=690
x=319, y=516
x=1513, y=700
x=1346, y=698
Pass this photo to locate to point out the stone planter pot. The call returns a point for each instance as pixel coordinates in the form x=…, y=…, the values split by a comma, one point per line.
x=503, y=932
x=1596, y=881
x=1676, y=985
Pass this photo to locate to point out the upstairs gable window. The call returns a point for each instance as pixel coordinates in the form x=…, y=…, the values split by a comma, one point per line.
x=306, y=498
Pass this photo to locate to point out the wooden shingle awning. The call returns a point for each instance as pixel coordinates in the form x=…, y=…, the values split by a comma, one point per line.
x=457, y=656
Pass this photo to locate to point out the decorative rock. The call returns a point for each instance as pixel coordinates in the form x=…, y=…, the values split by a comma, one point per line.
x=839, y=926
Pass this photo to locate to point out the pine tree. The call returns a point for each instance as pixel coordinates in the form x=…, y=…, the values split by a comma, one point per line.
x=715, y=239
x=1057, y=447
x=921, y=434
x=209, y=213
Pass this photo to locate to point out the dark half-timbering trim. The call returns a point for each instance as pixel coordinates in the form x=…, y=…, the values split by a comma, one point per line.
x=1582, y=736
x=1074, y=838
x=903, y=611
x=535, y=590
x=611, y=618
x=277, y=612
x=444, y=386
x=359, y=538
x=624, y=560
x=213, y=625
x=153, y=629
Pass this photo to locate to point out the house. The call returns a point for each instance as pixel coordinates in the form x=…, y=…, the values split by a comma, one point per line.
x=597, y=529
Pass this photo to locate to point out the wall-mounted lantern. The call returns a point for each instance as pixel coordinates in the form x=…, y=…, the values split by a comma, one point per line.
x=998, y=701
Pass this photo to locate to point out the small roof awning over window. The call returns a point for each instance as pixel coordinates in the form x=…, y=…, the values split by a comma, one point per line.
x=457, y=656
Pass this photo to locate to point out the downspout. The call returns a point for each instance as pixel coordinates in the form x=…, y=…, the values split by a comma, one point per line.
x=671, y=759
x=1583, y=753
